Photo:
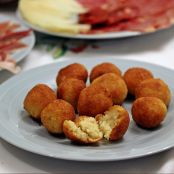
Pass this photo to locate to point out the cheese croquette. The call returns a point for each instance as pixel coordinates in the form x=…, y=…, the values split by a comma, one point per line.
x=84, y=130
x=111, y=126
x=148, y=112
x=97, y=104
x=37, y=99
x=104, y=68
x=70, y=89
x=134, y=76
x=113, y=123
x=75, y=70
x=93, y=100
x=53, y=115
x=114, y=85
x=154, y=88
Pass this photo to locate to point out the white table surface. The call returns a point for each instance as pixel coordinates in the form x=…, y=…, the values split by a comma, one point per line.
x=156, y=48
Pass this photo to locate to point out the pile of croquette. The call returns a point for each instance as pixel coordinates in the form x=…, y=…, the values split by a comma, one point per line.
x=88, y=113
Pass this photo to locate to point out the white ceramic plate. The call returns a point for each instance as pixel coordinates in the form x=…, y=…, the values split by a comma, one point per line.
x=110, y=35
x=20, y=54
x=17, y=128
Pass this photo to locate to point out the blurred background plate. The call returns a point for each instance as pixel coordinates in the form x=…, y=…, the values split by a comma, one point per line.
x=20, y=54
x=110, y=35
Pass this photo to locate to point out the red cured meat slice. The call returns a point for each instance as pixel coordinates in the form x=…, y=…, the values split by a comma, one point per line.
x=114, y=11
x=4, y=26
x=143, y=24
x=11, y=47
x=149, y=7
x=98, y=10
x=9, y=42
x=3, y=56
x=15, y=35
x=7, y=27
x=108, y=5
x=122, y=14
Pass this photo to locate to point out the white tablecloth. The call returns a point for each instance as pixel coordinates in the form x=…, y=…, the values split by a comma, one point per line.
x=156, y=48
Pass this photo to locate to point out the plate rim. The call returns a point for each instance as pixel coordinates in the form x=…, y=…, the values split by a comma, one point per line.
x=72, y=158
x=23, y=53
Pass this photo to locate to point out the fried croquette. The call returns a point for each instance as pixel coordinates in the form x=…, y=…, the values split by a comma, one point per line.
x=84, y=130
x=104, y=68
x=70, y=89
x=134, y=76
x=37, y=99
x=154, y=88
x=148, y=112
x=114, y=85
x=74, y=70
x=53, y=115
x=93, y=100
x=113, y=123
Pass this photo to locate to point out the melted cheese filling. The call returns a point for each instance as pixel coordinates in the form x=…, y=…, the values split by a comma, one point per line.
x=91, y=127
x=107, y=122
x=87, y=129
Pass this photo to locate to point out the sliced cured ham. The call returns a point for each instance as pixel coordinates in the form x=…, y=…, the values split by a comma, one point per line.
x=6, y=27
x=10, y=40
x=98, y=10
x=120, y=15
x=143, y=24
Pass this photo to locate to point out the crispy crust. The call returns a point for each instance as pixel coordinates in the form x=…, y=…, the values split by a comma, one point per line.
x=148, y=112
x=94, y=100
x=69, y=90
x=154, y=88
x=120, y=122
x=122, y=126
x=104, y=68
x=114, y=85
x=84, y=134
x=37, y=99
x=74, y=70
x=53, y=116
x=134, y=76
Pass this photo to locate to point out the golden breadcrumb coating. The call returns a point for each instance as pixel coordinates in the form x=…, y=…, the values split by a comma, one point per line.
x=37, y=99
x=94, y=100
x=134, y=76
x=69, y=90
x=114, y=85
x=74, y=70
x=104, y=68
x=148, y=112
x=53, y=116
x=154, y=88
